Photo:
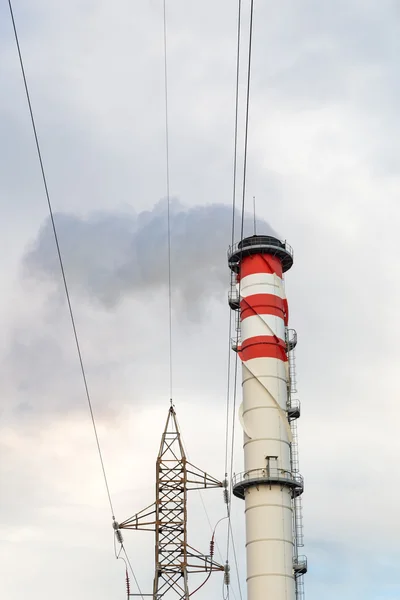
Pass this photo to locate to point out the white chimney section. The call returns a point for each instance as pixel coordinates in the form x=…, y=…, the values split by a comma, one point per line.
x=270, y=485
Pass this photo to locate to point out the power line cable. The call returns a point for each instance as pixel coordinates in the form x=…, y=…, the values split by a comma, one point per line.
x=247, y=114
x=49, y=204
x=168, y=193
x=233, y=223
x=165, y=28
x=131, y=570
x=64, y=279
x=212, y=529
x=230, y=531
x=126, y=561
x=235, y=557
x=243, y=197
x=239, y=23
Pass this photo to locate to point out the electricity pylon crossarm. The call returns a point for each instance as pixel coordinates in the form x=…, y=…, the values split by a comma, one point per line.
x=174, y=557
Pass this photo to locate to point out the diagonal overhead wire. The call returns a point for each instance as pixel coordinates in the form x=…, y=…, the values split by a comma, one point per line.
x=230, y=538
x=246, y=133
x=131, y=570
x=235, y=144
x=235, y=153
x=230, y=531
x=64, y=279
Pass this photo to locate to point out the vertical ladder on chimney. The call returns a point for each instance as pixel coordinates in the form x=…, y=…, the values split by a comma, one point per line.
x=297, y=506
x=296, y=503
x=292, y=373
x=297, y=516
x=299, y=587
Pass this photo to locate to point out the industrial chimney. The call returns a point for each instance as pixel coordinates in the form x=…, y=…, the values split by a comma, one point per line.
x=270, y=485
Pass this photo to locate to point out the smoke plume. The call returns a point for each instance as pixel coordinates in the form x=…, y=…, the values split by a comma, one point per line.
x=110, y=255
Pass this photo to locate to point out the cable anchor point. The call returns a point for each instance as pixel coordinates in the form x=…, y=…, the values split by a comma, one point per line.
x=118, y=533
x=227, y=575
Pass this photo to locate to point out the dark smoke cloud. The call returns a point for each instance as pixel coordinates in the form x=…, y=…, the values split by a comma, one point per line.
x=110, y=255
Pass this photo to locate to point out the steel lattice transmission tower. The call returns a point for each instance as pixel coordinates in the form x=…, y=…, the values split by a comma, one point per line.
x=175, y=559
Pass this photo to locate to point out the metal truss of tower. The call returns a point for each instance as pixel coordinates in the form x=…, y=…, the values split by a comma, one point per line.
x=271, y=484
x=175, y=559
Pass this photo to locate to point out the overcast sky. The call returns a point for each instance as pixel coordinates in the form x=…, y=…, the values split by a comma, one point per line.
x=324, y=148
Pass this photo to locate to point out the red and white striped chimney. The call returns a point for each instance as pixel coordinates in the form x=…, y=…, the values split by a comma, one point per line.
x=269, y=485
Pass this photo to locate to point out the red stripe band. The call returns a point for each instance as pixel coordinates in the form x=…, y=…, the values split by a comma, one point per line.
x=263, y=304
x=260, y=263
x=263, y=346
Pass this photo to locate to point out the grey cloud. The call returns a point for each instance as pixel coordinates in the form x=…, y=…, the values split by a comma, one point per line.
x=102, y=134
x=110, y=255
